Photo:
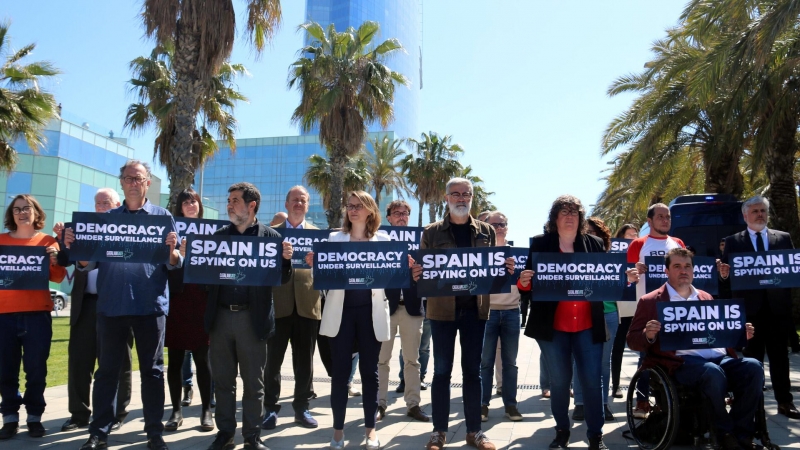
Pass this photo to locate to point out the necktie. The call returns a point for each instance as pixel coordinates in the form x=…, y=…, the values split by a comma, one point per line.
x=759, y=243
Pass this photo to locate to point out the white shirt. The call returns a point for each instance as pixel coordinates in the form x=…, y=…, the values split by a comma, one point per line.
x=299, y=226
x=706, y=353
x=91, y=282
x=763, y=238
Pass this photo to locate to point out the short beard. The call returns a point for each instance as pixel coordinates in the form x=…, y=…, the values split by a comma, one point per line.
x=455, y=210
x=237, y=220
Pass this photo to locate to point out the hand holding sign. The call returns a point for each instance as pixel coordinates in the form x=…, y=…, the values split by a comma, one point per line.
x=723, y=269
x=287, y=250
x=525, y=277
x=651, y=329
x=172, y=242
x=510, y=265
x=751, y=331
x=310, y=259
x=53, y=252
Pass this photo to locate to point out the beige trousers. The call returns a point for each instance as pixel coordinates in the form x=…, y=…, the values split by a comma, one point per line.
x=410, y=334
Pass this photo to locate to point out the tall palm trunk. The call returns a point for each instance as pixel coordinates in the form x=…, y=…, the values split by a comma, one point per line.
x=338, y=166
x=188, y=89
x=722, y=172
x=432, y=212
x=419, y=219
x=780, y=162
x=378, y=190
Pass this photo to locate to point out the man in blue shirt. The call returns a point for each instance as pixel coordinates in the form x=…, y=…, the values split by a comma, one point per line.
x=131, y=296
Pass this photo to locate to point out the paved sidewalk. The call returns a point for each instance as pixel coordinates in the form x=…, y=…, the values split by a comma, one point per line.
x=396, y=431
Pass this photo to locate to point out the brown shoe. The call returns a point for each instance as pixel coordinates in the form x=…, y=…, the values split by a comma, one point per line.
x=788, y=409
x=480, y=441
x=436, y=442
x=417, y=414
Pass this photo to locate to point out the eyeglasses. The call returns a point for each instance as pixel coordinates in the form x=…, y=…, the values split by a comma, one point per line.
x=460, y=195
x=499, y=225
x=133, y=180
x=24, y=209
x=569, y=212
x=401, y=214
x=357, y=207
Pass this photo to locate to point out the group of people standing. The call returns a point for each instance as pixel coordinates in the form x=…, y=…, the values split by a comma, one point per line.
x=246, y=330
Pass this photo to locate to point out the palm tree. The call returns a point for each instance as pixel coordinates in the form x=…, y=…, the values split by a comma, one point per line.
x=344, y=87
x=435, y=162
x=25, y=108
x=153, y=85
x=384, y=166
x=203, y=33
x=319, y=175
x=480, y=196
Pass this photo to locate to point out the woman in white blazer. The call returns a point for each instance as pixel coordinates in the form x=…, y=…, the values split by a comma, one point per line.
x=356, y=320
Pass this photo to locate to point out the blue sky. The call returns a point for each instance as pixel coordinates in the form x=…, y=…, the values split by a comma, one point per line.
x=520, y=84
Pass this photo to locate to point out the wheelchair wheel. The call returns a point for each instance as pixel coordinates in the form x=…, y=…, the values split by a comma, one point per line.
x=658, y=428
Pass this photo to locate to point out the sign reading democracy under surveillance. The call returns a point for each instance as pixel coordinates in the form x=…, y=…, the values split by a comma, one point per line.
x=765, y=270
x=24, y=268
x=361, y=265
x=619, y=245
x=695, y=325
x=578, y=276
x=233, y=260
x=186, y=226
x=706, y=277
x=130, y=238
x=302, y=241
x=463, y=271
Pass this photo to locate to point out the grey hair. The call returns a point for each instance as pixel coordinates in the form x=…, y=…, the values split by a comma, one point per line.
x=457, y=180
x=111, y=192
x=300, y=187
x=496, y=213
x=757, y=200
x=135, y=162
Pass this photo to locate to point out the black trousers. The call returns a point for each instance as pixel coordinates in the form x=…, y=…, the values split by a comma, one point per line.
x=175, y=375
x=302, y=333
x=771, y=338
x=618, y=350
x=83, y=352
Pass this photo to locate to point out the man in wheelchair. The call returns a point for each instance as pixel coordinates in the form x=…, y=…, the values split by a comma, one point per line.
x=714, y=372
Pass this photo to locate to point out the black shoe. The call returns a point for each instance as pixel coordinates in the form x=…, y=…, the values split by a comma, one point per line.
x=94, y=443
x=188, y=394
x=175, y=420
x=254, y=443
x=729, y=442
x=616, y=392
x=561, y=440
x=788, y=409
x=157, y=443
x=596, y=443
x=73, y=424
x=224, y=441
x=206, y=420
x=609, y=414
x=578, y=413
x=422, y=386
x=213, y=401
x=35, y=429
x=116, y=425
x=401, y=388
x=9, y=430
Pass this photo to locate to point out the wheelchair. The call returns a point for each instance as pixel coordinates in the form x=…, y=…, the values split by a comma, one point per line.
x=677, y=416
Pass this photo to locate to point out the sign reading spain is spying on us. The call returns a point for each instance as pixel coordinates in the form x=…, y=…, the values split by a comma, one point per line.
x=695, y=325
x=578, y=276
x=765, y=270
x=361, y=265
x=24, y=268
x=233, y=260
x=706, y=277
x=463, y=271
x=130, y=238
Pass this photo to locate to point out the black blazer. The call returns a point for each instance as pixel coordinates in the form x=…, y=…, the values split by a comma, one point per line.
x=259, y=298
x=779, y=299
x=540, y=319
x=79, y=281
x=412, y=302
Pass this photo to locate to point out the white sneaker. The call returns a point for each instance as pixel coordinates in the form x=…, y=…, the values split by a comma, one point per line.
x=373, y=445
x=337, y=445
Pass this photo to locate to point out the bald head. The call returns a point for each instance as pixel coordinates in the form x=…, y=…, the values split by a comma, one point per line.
x=105, y=199
x=278, y=218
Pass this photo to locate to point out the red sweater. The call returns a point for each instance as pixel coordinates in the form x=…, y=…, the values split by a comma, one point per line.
x=28, y=301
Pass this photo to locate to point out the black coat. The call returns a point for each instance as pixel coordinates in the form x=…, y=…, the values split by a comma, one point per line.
x=412, y=302
x=259, y=298
x=542, y=314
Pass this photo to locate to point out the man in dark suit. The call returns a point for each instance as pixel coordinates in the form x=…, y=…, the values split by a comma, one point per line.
x=769, y=310
x=82, y=348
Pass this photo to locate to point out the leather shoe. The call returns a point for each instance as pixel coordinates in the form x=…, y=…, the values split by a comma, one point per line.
x=116, y=425
x=417, y=414
x=73, y=424
x=175, y=420
x=271, y=421
x=381, y=412
x=9, y=430
x=157, y=443
x=401, y=387
x=789, y=410
x=224, y=441
x=254, y=443
x=94, y=443
x=188, y=395
x=206, y=421
x=306, y=419
x=35, y=429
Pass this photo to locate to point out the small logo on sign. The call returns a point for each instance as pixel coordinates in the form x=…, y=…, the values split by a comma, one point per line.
x=575, y=292
x=699, y=341
x=357, y=281
x=6, y=282
x=771, y=282
x=237, y=277
x=119, y=254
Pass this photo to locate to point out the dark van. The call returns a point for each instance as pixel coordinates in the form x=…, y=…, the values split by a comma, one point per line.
x=701, y=221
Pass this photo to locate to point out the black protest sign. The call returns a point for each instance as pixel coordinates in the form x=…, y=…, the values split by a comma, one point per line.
x=361, y=265
x=696, y=325
x=619, y=245
x=233, y=260
x=186, y=226
x=706, y=277
x=520, y=256
x=410, y=235
x=463, y=271
x=130, y=238
x=24, y=268
x=765, y=270
x=302, y=241
x=578, y=276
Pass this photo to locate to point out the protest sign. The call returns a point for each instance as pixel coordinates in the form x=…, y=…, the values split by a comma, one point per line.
x=411, y=235
x=361, y=265
x=520, y=256
x=578, y=276
x=302, y=241
x=706, y=277
x=233, y=260
x=24, y=268
x=186, y=226
x=463, y=271
x=130, y=238
x=695, y=325
x=765, y=270
x=619, y=245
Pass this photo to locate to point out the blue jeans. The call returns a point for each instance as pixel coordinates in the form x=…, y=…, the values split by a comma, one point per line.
x=558, y=355
x=503, y=324
x=470, y=330
x=612, y=323
x=424, y=351
x=186, y=369
x=744, y=377
x=544, y=372
x=24, y=338
x=353, y=367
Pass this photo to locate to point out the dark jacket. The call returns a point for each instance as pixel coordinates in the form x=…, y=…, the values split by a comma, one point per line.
x=79, y=281
x=259, y=297
x=779, y=300
x=412, y=302
x=646, y=311
x=540, y=320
